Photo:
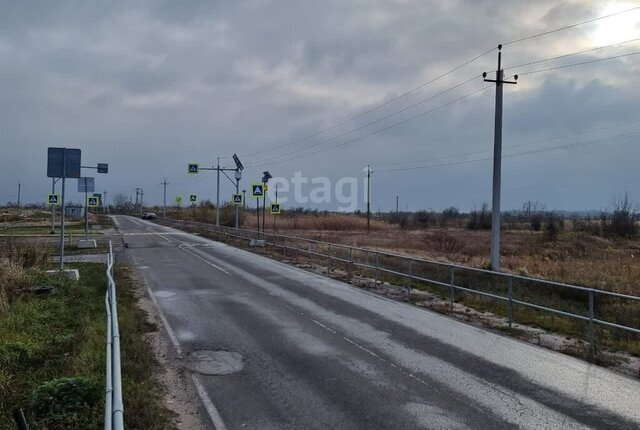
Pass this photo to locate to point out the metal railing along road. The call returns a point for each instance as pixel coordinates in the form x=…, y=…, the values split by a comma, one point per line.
x=556, y=298
x=113, y=406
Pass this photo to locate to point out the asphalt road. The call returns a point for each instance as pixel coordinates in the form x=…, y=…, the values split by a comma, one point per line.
x=307, y=352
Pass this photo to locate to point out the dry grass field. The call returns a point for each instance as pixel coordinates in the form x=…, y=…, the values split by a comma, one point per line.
x=573, y=257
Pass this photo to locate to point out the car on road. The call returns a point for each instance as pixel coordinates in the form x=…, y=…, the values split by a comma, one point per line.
x=149, y=215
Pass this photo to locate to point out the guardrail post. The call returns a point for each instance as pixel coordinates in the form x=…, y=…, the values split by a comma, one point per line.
x=410, y=280
x=592, y=346
x=510, y=308
x=350, y=263
x=329, y=259
x=452, y=279
x=376, y=271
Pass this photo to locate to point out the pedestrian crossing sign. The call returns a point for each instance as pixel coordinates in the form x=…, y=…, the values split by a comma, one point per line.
x=193, y=168
x=236, y=199
x=92, y=202
x=275, y=208
x=53, y=200
x=257, y=189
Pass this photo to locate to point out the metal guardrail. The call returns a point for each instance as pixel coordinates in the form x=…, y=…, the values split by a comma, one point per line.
x=113, y=406
x=408, y=268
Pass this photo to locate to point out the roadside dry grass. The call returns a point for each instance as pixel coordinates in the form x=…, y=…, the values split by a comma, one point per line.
x=575, y=257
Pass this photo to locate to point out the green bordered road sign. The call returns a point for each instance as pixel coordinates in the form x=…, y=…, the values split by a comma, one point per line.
x=193, y=168
x=193, y=198
x=178, y=200
x=275, y=208
x=92, y=202
x=53, y=199
x=257, y=189
x=236, y=199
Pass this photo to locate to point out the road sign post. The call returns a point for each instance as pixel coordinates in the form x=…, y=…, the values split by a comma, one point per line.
x=257, y=191
x=86, y=185
x=63, y=163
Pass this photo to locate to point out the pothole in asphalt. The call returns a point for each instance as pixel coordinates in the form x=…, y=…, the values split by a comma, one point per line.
x=208, y=362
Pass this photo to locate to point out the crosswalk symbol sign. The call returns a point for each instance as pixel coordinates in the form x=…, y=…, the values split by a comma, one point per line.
x=257, y=189
x=53, y=200
x=92, y=202
x=193, y=168
x=236, y=199
x=192, y=198
x=275, y=208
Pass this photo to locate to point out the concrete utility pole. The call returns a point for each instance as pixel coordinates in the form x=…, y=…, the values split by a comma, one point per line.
x=497, y=163
x=105, y=205
x=137, y=194
x=164, y=199
x=141, y=194
x=397, y=199
x=218, y=194
x=367, y=170
x=19, y=189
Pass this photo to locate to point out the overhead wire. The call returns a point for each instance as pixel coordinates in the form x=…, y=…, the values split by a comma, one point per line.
x=533, y=142
x=558, y=57
x=278, y=159
x=378, y=120
x=357, y=139
x=582, y=63
x=271, y=162
x=518, y=154
x=567, y=27
x=374, y=108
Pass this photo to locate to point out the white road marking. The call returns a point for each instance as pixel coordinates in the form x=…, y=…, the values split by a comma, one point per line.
x=218, y=423
x=323, y=326
x=215, y=266
x=163, y=237
x=362, y=348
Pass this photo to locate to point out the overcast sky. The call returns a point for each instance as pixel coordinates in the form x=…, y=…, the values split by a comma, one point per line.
x=148, y=86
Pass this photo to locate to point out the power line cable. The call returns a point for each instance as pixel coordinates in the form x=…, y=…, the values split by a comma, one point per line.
x=544, y=33
x=597, y=60
x=533, y=142
x=376, y=121
x=574, y=53
x=374, y=108
x=357, y=139
x=517, y=154
x=270, y=161
x=406, y=93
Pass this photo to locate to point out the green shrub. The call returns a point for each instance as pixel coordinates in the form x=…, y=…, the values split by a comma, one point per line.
x=66, y=403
